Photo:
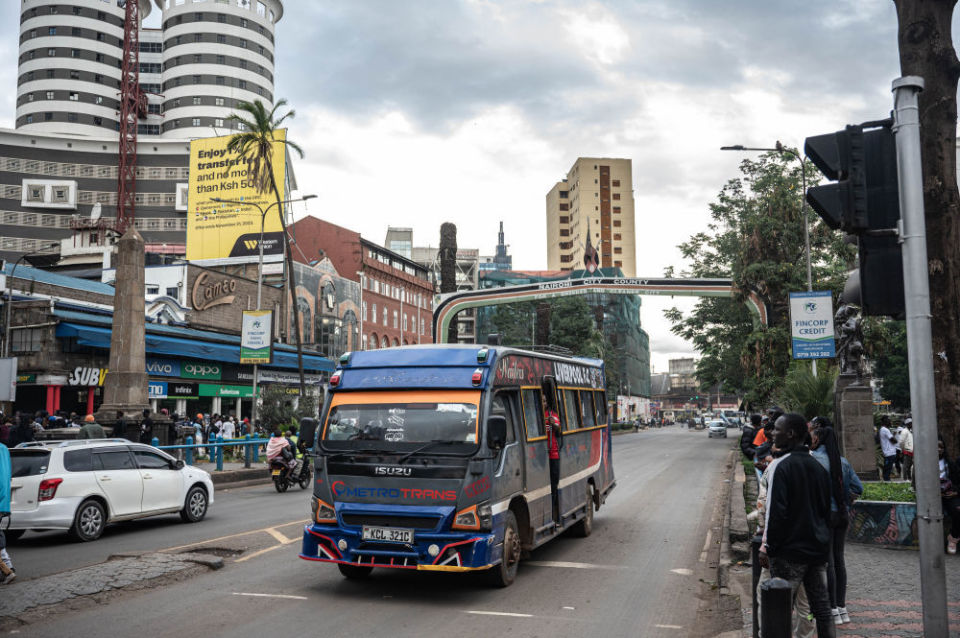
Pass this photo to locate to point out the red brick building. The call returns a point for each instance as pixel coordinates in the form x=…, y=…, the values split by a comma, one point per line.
x=396, y=297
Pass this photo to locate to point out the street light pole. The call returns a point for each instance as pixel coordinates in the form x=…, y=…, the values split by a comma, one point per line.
x=363, y=341
x=6, y=332
x=780, y=148
x=263, y=218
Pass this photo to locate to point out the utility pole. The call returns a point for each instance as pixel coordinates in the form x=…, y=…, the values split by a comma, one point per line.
x=913, y=237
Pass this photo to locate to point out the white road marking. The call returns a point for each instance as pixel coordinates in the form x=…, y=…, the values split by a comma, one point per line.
x=570, y=608
x=277, y=535
x=560, y=563
x=264, y=551
x=500, y=613
x=669, y=626
x=237, y=535
x=237, y=593
x=683, y=571
x=706, y=546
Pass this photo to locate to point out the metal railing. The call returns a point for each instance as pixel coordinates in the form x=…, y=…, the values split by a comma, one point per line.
x=251, y=452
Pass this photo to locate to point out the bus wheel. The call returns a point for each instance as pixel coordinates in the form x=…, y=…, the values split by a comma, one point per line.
x=354, y=572
x=505, y=573
x=584, y=526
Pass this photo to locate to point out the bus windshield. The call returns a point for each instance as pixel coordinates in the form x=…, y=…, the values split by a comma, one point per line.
x=384, y=421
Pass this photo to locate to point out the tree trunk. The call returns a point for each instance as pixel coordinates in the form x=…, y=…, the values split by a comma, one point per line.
x=542, y=333
x=448, y=270
x=926, y=50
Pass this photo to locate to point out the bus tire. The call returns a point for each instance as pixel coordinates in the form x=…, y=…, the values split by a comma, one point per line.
x=354, y=572
x=584, y=527
x=503, y=574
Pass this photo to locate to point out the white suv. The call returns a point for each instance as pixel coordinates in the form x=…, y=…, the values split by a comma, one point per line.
x=82, y=485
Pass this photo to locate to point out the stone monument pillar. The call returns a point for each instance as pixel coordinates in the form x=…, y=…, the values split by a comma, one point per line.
x=853, y=408
x=125, y=386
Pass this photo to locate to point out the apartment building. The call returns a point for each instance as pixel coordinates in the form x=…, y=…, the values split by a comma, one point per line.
x=595, y=198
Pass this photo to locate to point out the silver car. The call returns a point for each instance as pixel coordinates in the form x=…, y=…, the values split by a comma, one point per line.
x=716, y=428
x=82, y=485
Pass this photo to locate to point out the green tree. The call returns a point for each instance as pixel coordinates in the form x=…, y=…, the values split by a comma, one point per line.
x=571, y=324
x=886, y=345
x=756, y=238
x=255, y=144
x=807, y=394
x=277, y=410
x=514, y=323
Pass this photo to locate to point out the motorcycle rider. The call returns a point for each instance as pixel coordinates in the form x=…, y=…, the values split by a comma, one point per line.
x=280, y=449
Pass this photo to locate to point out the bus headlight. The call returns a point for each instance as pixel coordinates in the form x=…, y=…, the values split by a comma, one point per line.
x=475, y=517
x=322, y=512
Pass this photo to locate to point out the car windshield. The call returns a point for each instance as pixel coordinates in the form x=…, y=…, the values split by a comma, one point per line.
x=400, y=421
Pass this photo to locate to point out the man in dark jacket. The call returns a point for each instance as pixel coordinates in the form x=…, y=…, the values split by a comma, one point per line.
x=796, y=538
x=747, y=436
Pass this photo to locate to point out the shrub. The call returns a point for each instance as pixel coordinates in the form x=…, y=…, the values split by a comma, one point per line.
x=879, y=491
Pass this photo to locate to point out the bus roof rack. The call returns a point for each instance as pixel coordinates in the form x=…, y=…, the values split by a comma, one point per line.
x=550, y=349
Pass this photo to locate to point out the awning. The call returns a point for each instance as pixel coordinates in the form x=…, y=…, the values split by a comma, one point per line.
x=97, y=337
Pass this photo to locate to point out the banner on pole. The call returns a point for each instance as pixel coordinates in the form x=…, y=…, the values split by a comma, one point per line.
x=256, y=336
x=811, y=322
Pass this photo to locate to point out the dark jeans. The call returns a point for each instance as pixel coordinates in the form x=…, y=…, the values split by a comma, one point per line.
x=837, y=567
x=951, y=506
x=908, y=468
x=813, y=577
x=554, y=491
x=887, y=466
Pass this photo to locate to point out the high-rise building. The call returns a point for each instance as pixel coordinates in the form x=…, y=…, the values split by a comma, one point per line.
x=597, y=194
x=207, y=56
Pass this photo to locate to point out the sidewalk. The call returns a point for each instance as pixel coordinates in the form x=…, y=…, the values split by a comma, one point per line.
x=234, y=474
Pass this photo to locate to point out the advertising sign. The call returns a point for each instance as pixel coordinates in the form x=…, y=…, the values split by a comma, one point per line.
x=163, y=367
x=181, y=390
x=256, y=343
x=811, y=322
x=200, y=370
x=8, y=379
x=233, y=391
x=157, y=389
x=218, y=230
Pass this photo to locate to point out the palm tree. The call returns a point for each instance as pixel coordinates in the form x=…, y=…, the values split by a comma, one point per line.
x=255, y=144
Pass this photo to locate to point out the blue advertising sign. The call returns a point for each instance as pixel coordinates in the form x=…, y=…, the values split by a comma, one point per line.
x=157, y=389
x=811, y=323
x=163, y=367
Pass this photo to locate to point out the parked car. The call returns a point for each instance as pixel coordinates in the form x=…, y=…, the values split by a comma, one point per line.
x=81, y=486
x=716, y=428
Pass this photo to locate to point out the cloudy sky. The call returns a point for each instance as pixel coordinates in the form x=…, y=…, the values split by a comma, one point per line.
x=418, y=112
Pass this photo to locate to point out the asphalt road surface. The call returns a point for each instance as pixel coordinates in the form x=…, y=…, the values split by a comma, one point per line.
x=638, y=574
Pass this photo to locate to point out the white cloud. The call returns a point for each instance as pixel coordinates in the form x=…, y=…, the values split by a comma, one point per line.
x=596, y=33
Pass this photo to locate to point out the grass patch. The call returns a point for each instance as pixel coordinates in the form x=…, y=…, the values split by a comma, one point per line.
x=879, y=491
x=747, y=465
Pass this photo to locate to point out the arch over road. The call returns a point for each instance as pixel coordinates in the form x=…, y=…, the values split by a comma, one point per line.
x=451, y=303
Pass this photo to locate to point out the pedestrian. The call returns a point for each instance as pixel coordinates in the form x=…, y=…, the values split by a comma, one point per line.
x=7, y=572
x=6, y=429
x=796, y=538
x=748, y=434
x=146, y=428
x=845, y=487
x=198, y=432
x=949, y=472
x=905, y=440
x=91, y=429
x=23, y=432
x=887, y=446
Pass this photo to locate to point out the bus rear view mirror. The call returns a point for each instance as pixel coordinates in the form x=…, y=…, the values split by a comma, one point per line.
x=496, y=431
x=308, y=431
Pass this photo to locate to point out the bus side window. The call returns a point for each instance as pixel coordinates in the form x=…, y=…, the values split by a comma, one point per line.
x=533, y=413
x=500, y=404
x=570, y=411
x=600, y=403
x=587, y=415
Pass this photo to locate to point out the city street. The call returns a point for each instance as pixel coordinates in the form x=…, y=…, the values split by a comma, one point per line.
x=638, y=574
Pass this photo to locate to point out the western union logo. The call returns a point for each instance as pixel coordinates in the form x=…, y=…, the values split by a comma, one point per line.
x=250, y=243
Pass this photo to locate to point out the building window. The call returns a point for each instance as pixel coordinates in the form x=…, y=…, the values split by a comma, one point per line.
x=615, y=183
x=52, y=31
x=48, y=116
x=196, y=79
x=617, y=250
x=616, y=236
x=74, y=75
x=421, y=325
x=219, y=101
x=98, y=57
x=76, y=32
x=404, y=322
x=221, y=39
x=564, y=220
x=99, y=99
x=153, y=290
x=395, y=322
x=29, y=97
x=33, y=33
x=51, y=53
x=218, y=122
x=221, y=80
x=221, y=18
x=242, y=84
x=616, y=223
x=71, y=117
x=50, y=95
x=74, y=53
x=243, y=43
x=100, y=37
x=98, y=121
x=616, y=209
x=221, y=59
x=195, y=121
x=364, y=310
x=385, y=317
x=74, y=97
x=616, y=195
x=197, y=100
x=27, y=340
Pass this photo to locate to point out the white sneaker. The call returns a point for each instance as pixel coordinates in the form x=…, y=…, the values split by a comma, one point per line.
x=9, y=578
x=837, y=620
x=844, y=616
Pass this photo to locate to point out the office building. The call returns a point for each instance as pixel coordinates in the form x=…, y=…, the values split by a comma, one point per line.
x=595, y=198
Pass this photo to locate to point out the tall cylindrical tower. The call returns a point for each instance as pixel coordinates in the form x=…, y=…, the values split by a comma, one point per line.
x=69, y=66
x=215, y=55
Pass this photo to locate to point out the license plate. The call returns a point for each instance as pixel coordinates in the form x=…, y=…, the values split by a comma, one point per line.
x=388, y=534
x=275, y=473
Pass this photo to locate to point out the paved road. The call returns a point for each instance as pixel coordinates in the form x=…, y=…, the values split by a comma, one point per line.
x=637, y=575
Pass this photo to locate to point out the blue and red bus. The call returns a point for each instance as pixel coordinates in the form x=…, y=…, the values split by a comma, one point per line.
x=435, y=458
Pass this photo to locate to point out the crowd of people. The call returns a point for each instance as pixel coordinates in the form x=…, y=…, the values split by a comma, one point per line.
x=806, y=491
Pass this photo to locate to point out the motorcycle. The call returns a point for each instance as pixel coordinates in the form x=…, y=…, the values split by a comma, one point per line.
x=284, y=478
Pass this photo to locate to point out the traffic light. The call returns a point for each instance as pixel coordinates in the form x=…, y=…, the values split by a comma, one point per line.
x=865, y=203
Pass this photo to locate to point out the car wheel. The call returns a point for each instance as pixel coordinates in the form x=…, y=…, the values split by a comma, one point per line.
x=13, y=534
x=88, y=522
x=584, y=527
x=195, y=505
x=354, y=572
x=503, y=574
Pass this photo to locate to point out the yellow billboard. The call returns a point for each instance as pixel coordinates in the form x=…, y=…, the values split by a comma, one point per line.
x=217, y=230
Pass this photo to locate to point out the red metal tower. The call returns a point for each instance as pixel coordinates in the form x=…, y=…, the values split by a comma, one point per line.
x=133, y=107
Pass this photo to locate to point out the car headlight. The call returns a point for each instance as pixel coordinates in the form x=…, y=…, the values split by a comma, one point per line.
x=475, y=517
x=322, y=512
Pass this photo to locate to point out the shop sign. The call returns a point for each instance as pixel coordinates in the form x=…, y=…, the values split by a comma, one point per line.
x=237, y=374
x=163, y=367
x=181, y=390
x=209, y=292
x=87, y=376
x=157, y=389
x=256, y=340
x=200, y=370
x=26, y=378
x=229, y=391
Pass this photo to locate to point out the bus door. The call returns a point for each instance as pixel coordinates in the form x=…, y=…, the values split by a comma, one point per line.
x=537, y=485
x=510, y=473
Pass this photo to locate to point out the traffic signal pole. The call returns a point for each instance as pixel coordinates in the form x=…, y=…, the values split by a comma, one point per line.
x=913, y=239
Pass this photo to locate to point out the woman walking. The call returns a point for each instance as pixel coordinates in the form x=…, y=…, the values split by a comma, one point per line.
x=949, y=472
x=845, y=487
